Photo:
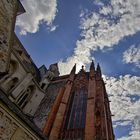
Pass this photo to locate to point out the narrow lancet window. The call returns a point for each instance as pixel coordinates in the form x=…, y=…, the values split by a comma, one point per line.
x=76, y=114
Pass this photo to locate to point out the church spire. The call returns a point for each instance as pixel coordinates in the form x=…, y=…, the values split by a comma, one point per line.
x=72, y=73
x=92, y=70
x=92, y=66
x=73, y=70
x=98, y=71
x=98, y=68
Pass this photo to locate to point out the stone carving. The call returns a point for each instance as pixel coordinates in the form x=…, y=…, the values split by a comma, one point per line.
x=24, y=56
x=3, y=41
x=6, y=19
x=24, y=136
x=81, y=79
x=7, y=128
x=3, y=51
x=10, y=129
x=50, y=74
x=10, y=83
x=22, y=86
x=25, y=96
x=46, y=79
x=2, y=62
x=54, y=68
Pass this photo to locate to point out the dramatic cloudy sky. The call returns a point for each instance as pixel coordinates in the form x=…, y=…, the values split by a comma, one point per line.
x=77, y=31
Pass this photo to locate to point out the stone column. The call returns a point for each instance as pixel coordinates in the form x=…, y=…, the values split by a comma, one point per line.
x=101, y=95
x=105, y=115
x=53, y=112
x=90, y=115
x=109, y=120
x=54, y=135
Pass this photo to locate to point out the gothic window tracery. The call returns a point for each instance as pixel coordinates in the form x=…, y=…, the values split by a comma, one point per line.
x=25, y=96
x=76, y=114
x=13, y=83
x=10, y=83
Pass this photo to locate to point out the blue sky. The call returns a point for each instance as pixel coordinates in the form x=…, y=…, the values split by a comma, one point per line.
x=77, y=31
x=59, y=44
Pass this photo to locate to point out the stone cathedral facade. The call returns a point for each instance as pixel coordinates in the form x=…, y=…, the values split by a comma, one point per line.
x=38, y=103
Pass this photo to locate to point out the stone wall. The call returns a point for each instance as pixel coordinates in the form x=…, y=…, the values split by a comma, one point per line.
x=11, y=128
x=46, y=104
x=16, y=70
x=16, y=82
x=34, y=102
x=19, y=50
x=7, y=22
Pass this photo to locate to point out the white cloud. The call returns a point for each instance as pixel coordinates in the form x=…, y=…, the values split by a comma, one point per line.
x=132, y=55
x=37, y=11
x=122, y=92
x=81, y=57
x=52, y=28
x=104, y=29
x=134, y=134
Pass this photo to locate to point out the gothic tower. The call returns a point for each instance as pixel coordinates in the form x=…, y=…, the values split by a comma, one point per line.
x=81, y=109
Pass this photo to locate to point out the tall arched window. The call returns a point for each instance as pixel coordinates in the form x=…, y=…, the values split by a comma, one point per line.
x=13, y=66
x=12, y=83
x=25, y=97
x=74, y=124
x=7, y=79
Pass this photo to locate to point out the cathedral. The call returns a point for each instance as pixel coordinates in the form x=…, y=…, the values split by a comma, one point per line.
x=38, y=103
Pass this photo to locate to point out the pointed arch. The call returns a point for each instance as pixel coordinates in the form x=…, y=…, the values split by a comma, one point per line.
x=25, y=96
x=12, y=69
x=15, y=81
x=13, y=66
x=12, y=83
x=74, y=123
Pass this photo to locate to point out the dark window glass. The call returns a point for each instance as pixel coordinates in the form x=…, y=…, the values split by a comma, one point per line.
x=76, y=114
x=23, y=99
x=43, y=85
